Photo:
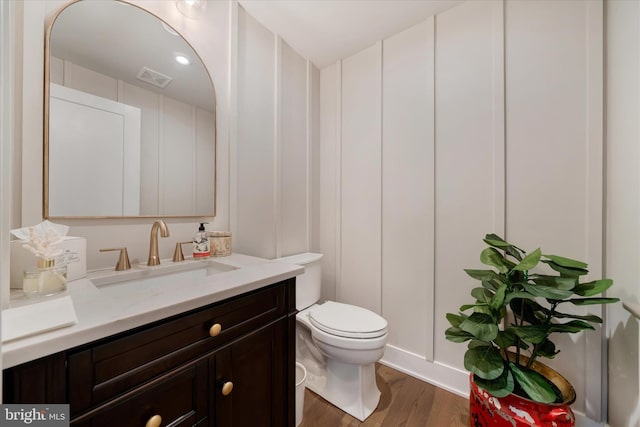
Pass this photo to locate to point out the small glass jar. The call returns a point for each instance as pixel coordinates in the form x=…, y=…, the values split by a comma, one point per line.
x=48, y=279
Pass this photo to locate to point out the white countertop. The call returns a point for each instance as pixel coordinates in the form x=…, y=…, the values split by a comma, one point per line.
x=100, y=316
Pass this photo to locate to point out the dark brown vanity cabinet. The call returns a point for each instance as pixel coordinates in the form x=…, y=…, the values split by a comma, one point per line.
x=230, y=364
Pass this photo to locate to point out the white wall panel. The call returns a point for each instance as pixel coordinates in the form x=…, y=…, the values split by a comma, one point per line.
x=554, y=163
x=408, y=188
x=205, y=158
x=329, y=176
x=177, y=158
x=89, y=81
x=255, y=173
x=293, y=209
x=314, y=164
x=465, y=75
x=361, y=173
x=149, y=104
x=623, y=207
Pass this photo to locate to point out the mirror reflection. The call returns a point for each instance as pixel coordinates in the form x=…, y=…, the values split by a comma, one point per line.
x=130, y=129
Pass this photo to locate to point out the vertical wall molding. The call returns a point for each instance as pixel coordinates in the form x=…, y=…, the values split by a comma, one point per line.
x=308, y=143
x=338, y=198
x=232, y=90
x=277, y=143
x=596, y=350
x=499, y=123
x=430, y=187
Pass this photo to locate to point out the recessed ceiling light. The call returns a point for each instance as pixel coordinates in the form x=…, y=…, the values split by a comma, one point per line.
x=191, y=8
x=181, y=59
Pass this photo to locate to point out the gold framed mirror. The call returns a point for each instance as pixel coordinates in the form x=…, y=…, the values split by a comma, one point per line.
x=129, y=119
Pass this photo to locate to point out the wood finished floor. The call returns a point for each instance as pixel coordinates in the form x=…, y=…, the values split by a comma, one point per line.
x=405, y=402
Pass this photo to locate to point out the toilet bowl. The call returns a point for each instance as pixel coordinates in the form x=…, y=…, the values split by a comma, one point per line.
x=337, y=343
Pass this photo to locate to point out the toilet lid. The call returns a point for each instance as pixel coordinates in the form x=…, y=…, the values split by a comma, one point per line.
x=347, y=321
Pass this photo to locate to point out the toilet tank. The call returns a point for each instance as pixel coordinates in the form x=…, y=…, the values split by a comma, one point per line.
x=307, y=284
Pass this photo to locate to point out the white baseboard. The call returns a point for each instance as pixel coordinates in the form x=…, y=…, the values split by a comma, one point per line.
x=443, y=376
x=446, y=377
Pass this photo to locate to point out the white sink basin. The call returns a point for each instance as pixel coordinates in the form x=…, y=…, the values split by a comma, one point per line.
x=144, y=283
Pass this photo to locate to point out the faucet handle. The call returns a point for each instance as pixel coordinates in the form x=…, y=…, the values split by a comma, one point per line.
x=123, y=260
x=177, y=254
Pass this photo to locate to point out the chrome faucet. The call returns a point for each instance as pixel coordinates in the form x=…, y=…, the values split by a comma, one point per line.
x=154, y=258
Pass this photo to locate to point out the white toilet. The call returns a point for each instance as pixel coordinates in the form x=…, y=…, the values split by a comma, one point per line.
x=337, y=343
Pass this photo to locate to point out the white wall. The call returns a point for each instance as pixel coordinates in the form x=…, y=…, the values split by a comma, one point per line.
x=7, y=52
x=275, y=142
x=491, y=117
x=267, y=101
x=623, y=207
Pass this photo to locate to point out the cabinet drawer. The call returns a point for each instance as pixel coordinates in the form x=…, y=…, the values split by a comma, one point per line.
x=180, y=398
x=109, y=368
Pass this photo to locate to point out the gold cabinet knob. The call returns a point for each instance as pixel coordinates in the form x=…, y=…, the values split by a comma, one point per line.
x=215, y=329
x=154, y=421
x=227, y=388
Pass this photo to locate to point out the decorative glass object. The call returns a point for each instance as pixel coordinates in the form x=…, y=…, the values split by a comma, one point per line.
x=48, y=279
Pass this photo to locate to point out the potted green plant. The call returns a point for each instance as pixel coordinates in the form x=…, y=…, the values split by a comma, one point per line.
x=508, y=327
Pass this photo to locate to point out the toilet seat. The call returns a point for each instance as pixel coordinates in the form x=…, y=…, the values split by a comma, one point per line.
x=348, y=321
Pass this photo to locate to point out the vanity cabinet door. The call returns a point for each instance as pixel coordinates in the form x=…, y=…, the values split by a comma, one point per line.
x=179, y=399
x=256, y=365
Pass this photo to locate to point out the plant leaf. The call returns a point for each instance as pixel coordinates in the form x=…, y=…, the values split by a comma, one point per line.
x=481, y=274
x=497, y=300
x=588, y=318
x=567, y=262
x=455, y=319
x=519, y=294
x=593, y=288
x=476, y=343
x=508, y=338
x=547, y=349
x=492, y=284
x=532, y=333
x=495, y=240
x=565, y=271
x=492, y=257
x=592, y=301
x=534, y=384
x=477, y=306
x=566, y=283
x=457, y=335
x=482, y=294
x=480, y=325
x=570, y=327
x=498, y=242
x=530, y=261
x=499, y=387
x=484, y=362
x=549, y=292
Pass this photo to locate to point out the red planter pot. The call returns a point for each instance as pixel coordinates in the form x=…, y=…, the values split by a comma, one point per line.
x=486, y=410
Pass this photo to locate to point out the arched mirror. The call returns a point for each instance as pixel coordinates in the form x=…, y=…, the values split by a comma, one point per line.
x=130, y=117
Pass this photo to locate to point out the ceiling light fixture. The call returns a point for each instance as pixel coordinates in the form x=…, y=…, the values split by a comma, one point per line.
x=191, y=8
x=181, y=59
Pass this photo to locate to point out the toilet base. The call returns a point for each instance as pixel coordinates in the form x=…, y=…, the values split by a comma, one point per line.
x=352, y=388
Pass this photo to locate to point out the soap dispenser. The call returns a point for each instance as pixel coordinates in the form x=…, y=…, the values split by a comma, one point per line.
x=201, y=246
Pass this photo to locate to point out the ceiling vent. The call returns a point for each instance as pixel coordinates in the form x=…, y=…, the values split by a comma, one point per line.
x=153, y=77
